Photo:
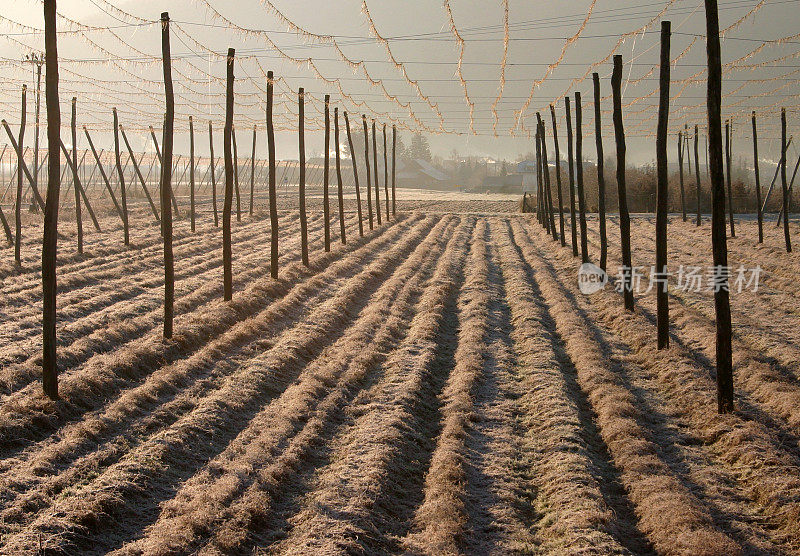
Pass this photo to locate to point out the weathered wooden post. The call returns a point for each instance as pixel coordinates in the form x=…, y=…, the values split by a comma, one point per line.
x=375, y=175
x=579, y=176
x=571, y=170
x=539, y=179
x=366, y=160
x=340, y=188
x=253, y=171
x=74, y=154
x=783, y=182
x=191, y=173
x=20, y=162
x=213, y=174
x=227, y=255
x=326, y=209
x=718, y=240
x=301, y=138
x=273, y=201
x=680, y=174
x=601, y=178
x=697, y=173
x=758, y=182
x=236, y=176
x=394, y=167
x=624, y=217
x=385, y=173
x=662, y=192
x=547, y=189
x=355, y=174
x=728, y=174
x=50, y=241
x=166, y=180
x=24, y=168
x=121, y=179
x=558, y=178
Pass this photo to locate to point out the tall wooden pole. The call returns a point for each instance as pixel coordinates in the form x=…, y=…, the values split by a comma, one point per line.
x=394, y=168
x=340, y=185
x=75, y=187
x=301, y=138
x=699, y=218
x=624, y=217
x=366, y=160
x=20, y=161
x=253, y=171
x=236, y=176
x=325, y=200
x=601, y=178
x=121, y=179
x=213, y=174
x=558, y=178
x=728, y=174
x=39, y=62
x=758, y=182
x=571, y=170
x=680, y=174
x=662, y=191
x=227, y=255
x=166, y=180
x=579, y=176
x=719, y=241
x=539, y=179
x=785, y=190
x=273, y=201
x=50, y=241
x=548, y=189
x=191, y=173
x=355, y=174
x=375, y=175
x=385, y=173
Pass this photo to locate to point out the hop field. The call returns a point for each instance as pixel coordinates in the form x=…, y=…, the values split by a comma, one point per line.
x=437, y=386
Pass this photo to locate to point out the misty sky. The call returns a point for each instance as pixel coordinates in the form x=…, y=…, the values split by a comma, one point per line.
x=118, y=64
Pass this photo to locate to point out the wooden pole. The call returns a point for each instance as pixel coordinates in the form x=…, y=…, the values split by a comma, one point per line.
x=50, y=240
x=76, y=179
x=601, y=178
x=20, y=162
x=121, y=178
x=78, y=221
x=662, y=192
x=355, y=174
x=21, y=156
x=273, y=201
x=782, y=211
x=394, y=167
x=680, y=174
x=728, y=174
x=775, y=177
x=366, y=160
x=548, y=189
x=104, y=175
x=718, y=240
x=570, y=169
x=539, y=180
x=213, y=174
x=758, y=181
x=697, y=173
x=558, y=177
x=236, y=176
x=340, y=190
x=385, y=173
x=139, y=173
x=325, y=201
x=166, y=180
x=302, y=178
x=375, y=175
x=191, y=173
x=624, y=217
x=253, y=171
x=785, y=190
x=227, y=206
x=36, y=130
x=579, y=176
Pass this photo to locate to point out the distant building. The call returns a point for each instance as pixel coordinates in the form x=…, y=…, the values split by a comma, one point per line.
x=420, y=173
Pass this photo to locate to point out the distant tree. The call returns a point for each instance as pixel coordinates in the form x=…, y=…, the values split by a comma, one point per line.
x=420, y=148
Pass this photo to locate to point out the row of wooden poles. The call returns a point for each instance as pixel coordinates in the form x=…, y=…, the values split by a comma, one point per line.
x=546, y=213
x=50, y=203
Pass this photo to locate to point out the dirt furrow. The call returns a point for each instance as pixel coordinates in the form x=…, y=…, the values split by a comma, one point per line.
x=154, y=469
x=363, y=499
x=241, y=494
x=720, y=452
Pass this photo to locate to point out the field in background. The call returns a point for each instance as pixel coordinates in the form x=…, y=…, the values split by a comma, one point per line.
x=439, y=385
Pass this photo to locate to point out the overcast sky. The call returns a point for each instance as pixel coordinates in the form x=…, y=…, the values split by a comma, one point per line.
x=120, y=66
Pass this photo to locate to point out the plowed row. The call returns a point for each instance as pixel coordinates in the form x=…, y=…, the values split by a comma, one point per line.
x=438, y=386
